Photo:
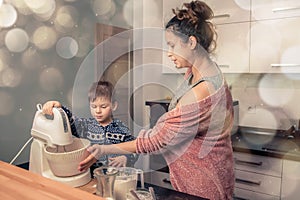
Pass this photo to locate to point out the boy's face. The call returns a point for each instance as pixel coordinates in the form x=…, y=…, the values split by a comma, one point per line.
x=101, y=110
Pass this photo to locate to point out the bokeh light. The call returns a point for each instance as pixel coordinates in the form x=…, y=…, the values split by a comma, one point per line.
x=102, y=7
x=44, y=37
x=263, y=119
x=128, y=12
x=274, y=91
x=10, y=77
x=31, y=58
x=46, y=11
x=8, y=15
x=5, y=59
x=66, y=47
x=66, y=18
x=6, y=103
x=21, y=6
x=51, y=79
x=16, y=40
x=243, y=4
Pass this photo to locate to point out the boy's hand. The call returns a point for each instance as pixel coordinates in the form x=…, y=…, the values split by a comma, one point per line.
x=48, y=107
x=119, y=161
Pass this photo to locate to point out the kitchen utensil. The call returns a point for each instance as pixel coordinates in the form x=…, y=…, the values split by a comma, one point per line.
x=151, y=190
x=52, y=149
x=105, y=181
x=139, y=194
x=126, y=180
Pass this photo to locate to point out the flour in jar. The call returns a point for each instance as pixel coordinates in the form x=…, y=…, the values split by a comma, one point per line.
x=122, y=187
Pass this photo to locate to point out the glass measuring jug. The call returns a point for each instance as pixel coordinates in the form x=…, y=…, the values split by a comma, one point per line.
x=127, y=180
x=105, y=181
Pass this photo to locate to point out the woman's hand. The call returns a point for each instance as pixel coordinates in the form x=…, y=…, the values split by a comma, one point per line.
x=48, y=107
x=119, y=161
x=95, y=153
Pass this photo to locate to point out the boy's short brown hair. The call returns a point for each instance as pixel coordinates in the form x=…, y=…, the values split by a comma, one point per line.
x=101, y=89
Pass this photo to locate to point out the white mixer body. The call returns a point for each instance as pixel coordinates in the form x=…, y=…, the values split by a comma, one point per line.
x=52, y=132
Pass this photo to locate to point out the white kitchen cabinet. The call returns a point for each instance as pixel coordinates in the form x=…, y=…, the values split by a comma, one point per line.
x=257, y=177
x=274, y=9
x=230, y=11
x=275, y=45
x=232, y=52
x=290, y=180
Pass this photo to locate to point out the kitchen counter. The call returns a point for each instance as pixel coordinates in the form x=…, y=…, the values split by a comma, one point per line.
x=20, y=184
x=17, y=183
x=267, y=142
x=160, y=192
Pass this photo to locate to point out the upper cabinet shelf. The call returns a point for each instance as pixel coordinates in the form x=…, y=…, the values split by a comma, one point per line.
x=230, y=11
x=274, y=9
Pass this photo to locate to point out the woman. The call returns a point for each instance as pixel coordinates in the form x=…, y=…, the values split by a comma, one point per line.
x=194, y=135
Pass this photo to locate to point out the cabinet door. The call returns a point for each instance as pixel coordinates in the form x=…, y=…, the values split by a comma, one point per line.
x=275, y=45
x=290, y=180
x=229, y=11
x=232, y=52
x=271, y=9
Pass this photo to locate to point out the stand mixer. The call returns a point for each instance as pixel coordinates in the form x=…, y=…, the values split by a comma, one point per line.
x=56, y=134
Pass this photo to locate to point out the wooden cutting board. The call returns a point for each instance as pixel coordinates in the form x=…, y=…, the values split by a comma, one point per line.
x=20, y=184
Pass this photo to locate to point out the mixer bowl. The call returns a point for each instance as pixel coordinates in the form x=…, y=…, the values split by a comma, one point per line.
x=64, y=160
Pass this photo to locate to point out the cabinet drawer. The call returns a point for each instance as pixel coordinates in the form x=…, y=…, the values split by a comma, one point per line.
x=241, y=194
x=257, y=182
x=258, y=164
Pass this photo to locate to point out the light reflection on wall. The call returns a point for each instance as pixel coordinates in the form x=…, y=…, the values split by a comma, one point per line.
x=16, y=40
x=66, y=47
x=44, y=37
x=42, y=45
x=8, y=15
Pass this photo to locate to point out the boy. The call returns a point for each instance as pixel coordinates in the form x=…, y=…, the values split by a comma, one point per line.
x=102, y=128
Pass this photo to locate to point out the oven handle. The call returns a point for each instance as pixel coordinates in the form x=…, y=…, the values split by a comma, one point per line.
x=166, y=180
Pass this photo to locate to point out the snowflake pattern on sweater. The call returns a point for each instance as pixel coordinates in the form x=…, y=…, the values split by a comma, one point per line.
x=113, y=133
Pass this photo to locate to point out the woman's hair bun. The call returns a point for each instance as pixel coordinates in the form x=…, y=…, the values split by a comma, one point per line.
x=194, y=11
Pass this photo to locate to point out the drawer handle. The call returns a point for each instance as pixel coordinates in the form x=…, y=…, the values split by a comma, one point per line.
x=248, y=182
x=285, y=65
x=285, y=9
x=222, y=16
x=238, y=198
x=223, y=66
x=165, y=180
x=243, y=162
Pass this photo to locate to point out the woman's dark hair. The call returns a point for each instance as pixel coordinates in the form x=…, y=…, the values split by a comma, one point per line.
x=193, y=20
x=101, y=89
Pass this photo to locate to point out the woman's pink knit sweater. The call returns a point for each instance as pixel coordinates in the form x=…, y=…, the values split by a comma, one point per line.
x=195, y=141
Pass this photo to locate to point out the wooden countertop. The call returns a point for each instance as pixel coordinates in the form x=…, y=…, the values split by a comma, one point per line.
x=17, y=183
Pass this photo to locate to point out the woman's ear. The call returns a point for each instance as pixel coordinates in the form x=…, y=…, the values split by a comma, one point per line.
x=192, y=42
x=114, y=106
